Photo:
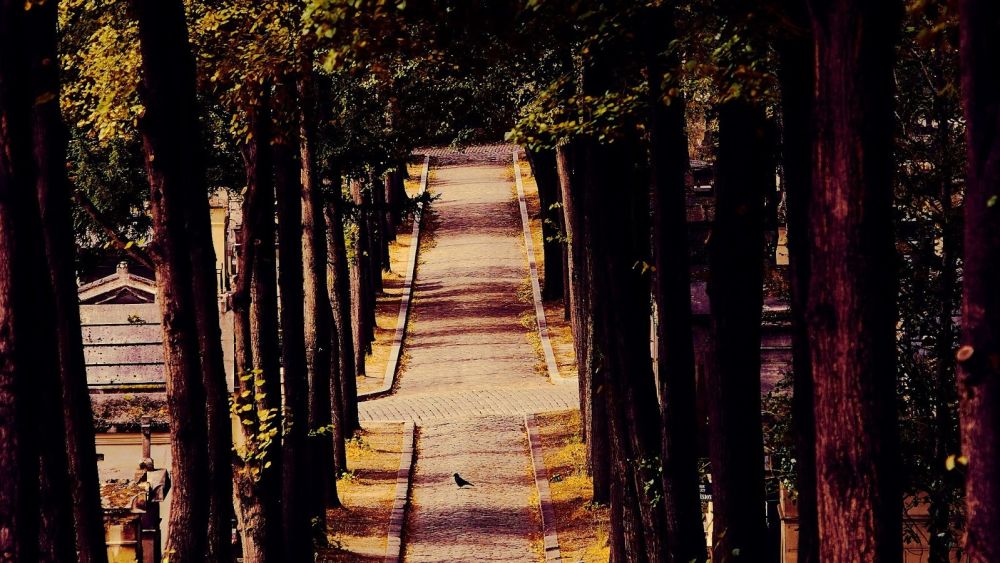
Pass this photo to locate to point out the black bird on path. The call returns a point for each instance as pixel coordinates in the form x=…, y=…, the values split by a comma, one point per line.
x=462, y=482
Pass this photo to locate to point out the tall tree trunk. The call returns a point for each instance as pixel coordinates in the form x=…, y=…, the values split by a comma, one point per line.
x=795, y=74
x=53, y=190
x=851, y=311
x=295, y=473
x=319, y=339
x=360, y=277
x=258, y=520
x=380, y=225
x=736, y=442
x=395, y=196
x=264, y=342
x=543, y=167
x=340, y=302
x=593, y=407
x=36, y=517
x=19, y=465
x=672, y=294
x=979, y=378
x=389, y=197
x=170, y=138
x=617, y=224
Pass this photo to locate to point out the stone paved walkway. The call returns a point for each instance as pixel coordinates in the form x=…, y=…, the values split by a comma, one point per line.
x=470, y=375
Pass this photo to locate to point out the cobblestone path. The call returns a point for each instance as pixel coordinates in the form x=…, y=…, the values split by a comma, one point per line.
x=470, y=374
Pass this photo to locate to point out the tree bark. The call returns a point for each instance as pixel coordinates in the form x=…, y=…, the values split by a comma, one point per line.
x=320, y=341
x=257, y=516
x=361, y=285
x=53, y=191
x=796, y=78
x=170, y=138
x=18, y=454
x=851, y=307
x=340, y=302
x=36, y=515
x=264, y=342
x=979, y=375
x=736, y=254
x=543, y=167
x=616, y=221
x=593, y=407
x=295, y=473
x=672, y=294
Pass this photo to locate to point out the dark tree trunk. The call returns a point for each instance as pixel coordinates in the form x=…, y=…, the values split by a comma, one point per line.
x=616, y=222
x=851, y=307
x=979, y=377
x=381, y=226
x=36, y=517
x=170, y=137
x=543, y=167
x=593, y=407
x=795, y=74
x=18, y=453
x=258, y=519
x=53, y=190
x=324, y=441
x=672, y=294
x=204, y=282
x=395, y=197
x=361, y=286
x=388, y=195
x=341, y=303
x=260, y=528
x=264, y=342
x=736, y=442
x=29, y=521
x=35, y=512
x=295, y=473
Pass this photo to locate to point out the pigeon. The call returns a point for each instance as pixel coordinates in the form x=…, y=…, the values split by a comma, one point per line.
x=462, y=483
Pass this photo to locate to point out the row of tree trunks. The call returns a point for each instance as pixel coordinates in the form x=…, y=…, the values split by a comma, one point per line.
x=616, y=222
x=543, y=168
x=672, y=295
x=340, y=289
x=851, y=293
x=593, y=407
x=979, y=377
x=322, y=363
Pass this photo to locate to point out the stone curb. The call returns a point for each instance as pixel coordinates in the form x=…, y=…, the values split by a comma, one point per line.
x=391, y=366
x=397, y=519
x=536, y=289
x=550, y=538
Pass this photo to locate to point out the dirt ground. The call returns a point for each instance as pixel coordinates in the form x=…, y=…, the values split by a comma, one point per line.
x=357, y=531
x=582, y=526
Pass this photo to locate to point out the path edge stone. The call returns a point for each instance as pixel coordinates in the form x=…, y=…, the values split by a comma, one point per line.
x=392, y=365
x=536, y=289
x=401, y=500
x=550, y=536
